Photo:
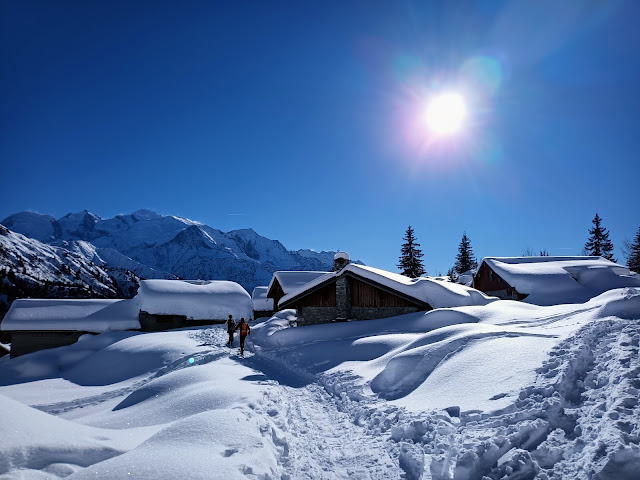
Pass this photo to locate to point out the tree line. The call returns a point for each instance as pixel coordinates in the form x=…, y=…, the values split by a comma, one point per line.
x=598, y=244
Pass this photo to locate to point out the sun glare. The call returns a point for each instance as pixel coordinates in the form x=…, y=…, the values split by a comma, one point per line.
x=446, y=113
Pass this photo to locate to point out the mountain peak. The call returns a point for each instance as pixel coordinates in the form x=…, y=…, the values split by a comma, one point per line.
x=145, y=214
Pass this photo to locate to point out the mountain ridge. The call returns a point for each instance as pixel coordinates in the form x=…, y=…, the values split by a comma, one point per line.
x=165, y=246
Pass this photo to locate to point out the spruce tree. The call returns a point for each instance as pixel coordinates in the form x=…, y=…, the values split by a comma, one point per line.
x=633, y=262
x=598, y=243
x=465, y=260
x=411, y=256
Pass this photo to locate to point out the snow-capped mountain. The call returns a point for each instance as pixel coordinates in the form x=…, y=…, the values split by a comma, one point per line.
x=31, y=268
x=162, y=246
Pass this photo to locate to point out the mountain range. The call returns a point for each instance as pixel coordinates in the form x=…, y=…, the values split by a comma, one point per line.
x=82, y=254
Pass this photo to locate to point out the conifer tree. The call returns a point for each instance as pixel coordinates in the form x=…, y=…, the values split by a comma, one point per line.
x=411, y=256
x=633, y=262
x=598, y=243
x=465, y=260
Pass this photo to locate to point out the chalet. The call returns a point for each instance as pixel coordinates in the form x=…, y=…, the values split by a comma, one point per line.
x=166, y=304
x=262, y=306
x=359, y=292
x=284, y=282
x=35, y=324
x=550, y=280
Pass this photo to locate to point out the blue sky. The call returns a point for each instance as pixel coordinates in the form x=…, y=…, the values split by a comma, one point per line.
x=299, y=119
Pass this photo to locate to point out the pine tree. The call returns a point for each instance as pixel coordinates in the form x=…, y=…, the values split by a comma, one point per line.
x=410, y=256
x=598, y=243
x=465, y=260
x=633, y=262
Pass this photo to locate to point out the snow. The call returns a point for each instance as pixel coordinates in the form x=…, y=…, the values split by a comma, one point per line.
x=292, y=280
x=504, y=390
x=91, y=315
x=197, y=300
x=436, y=293
x=554, y=280
x=341, y=255
x=260, y=300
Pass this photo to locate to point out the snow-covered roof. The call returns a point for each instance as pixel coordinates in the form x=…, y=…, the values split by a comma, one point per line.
x=196, y=299
x=260, y=300
x=292, y=280
x=86, y=315
x=436, y=293
x=551, y=280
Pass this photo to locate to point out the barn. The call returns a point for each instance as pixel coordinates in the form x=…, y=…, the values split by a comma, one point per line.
x=550, y=280
x=166, y=304
x=35, y=324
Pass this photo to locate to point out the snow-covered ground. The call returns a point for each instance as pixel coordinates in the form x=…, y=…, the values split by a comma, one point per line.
x=503, y=391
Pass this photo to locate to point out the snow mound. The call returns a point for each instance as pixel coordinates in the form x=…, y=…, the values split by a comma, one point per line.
x=197, y=300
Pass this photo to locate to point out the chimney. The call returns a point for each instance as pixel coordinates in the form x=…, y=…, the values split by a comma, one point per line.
x=340, y=260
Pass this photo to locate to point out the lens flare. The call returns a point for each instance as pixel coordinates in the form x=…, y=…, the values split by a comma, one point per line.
x=191, y=361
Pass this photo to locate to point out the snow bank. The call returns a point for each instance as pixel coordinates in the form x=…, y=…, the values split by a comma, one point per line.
x=556, y=280
x=197, y=300
x=92, y=315
x=260, y=300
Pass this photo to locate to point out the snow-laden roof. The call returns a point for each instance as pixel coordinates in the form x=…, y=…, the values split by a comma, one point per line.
x=197, y=300
x=436, y=293
x=86, y=315
x=552, y=280
x=292, y=280
x=260, y=300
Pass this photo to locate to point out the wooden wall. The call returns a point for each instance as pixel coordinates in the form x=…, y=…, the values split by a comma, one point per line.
x=324, y=297
x=365, y=295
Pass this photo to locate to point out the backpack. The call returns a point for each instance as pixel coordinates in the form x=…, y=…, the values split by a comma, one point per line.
x=244, y=328
x=231, y=326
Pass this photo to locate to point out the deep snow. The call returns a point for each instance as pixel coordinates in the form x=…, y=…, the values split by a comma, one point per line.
x=505, y=391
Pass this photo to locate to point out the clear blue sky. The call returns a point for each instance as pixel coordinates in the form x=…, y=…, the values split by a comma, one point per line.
x=298, y=119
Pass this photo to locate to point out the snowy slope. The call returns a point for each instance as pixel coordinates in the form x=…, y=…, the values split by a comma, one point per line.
x=507, y=391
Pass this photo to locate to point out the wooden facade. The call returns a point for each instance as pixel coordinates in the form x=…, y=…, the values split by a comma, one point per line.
x=323, y=297
x=367, y=295
x=489, y=282
x=351, y=297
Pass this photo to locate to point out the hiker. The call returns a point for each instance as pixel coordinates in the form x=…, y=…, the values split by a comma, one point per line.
x=231, y=327
x=244, y=331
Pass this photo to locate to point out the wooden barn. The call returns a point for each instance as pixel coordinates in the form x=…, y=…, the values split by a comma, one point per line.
x=487, y=280
x=547, y=280
x=353, y=292
x=262, y=306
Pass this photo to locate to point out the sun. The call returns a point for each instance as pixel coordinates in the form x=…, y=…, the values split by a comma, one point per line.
x=445, y=113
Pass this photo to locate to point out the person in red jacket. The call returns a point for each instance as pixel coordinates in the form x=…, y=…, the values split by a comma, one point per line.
x=244, y=331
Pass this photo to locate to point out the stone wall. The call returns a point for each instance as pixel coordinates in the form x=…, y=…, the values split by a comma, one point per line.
x=315, y=315
x=343, y=298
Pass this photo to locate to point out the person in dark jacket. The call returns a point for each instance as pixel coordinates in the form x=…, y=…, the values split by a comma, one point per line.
x=244, y=331
x=231, y=327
